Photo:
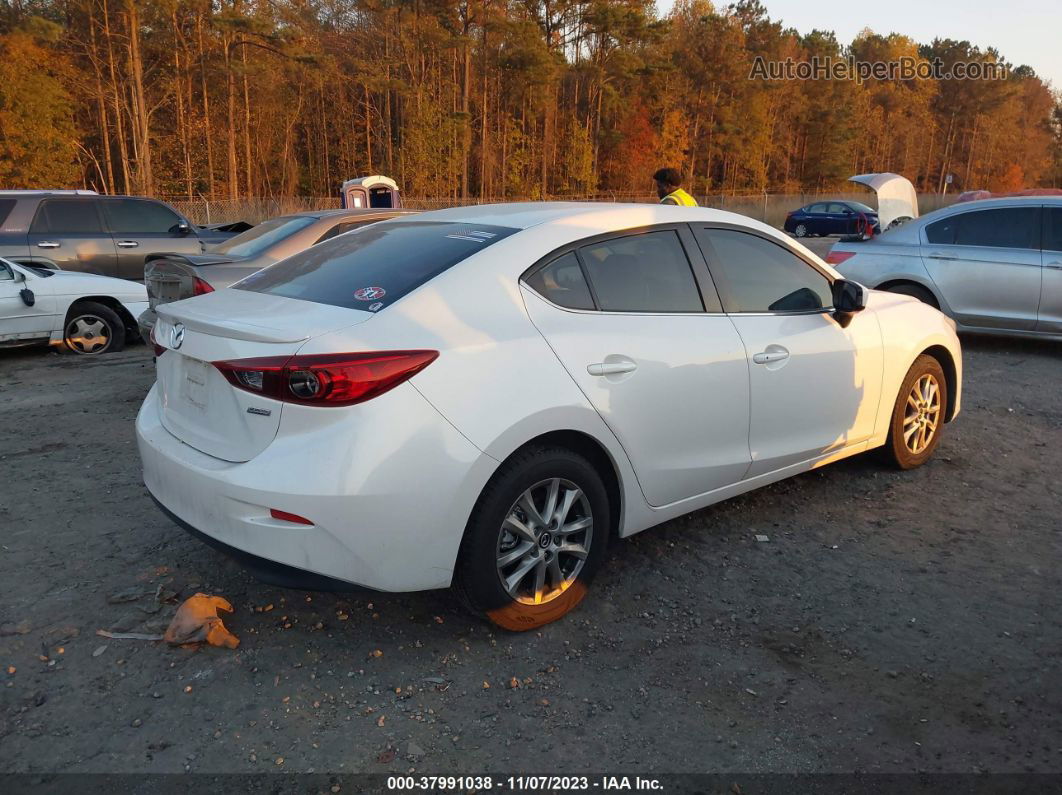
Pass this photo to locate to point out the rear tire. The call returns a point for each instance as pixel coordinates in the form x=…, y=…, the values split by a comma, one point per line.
x=918, y=415
x=913, y=290
x=535, y=540
x=92, y=329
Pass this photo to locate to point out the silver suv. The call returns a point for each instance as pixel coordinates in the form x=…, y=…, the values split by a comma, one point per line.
x=83, y=231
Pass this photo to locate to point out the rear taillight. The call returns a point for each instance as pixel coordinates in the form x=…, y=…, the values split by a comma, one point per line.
x=159, y=349
x=331, y=379
x=837, y=257
x=200, y=287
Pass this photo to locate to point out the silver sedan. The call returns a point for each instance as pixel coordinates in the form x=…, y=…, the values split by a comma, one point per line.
x=994, y=266
x=171, y=277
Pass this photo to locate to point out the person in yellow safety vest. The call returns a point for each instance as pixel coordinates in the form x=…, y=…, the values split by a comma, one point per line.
x=668, y=188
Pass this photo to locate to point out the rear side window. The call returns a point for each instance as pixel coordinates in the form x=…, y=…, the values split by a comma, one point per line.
x=67, y=217
x=757, y=275
x=563, y=283
x=140, y=217
x=6, y=206
x=1053, y=229
x=1005, y=227
x=642, y=273
x=374, y=266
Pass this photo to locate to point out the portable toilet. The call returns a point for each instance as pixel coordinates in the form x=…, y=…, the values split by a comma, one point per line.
x=374, y=192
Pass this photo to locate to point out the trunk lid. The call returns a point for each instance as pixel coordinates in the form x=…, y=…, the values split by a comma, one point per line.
x=198, y=405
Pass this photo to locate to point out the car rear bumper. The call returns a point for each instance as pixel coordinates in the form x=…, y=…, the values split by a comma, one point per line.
x=268, y=571
x=389, y=499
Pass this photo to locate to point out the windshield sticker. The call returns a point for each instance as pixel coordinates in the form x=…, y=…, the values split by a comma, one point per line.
x=376, y=307
x=370, y=293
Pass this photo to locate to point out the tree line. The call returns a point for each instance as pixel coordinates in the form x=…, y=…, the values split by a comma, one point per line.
x=463, y=99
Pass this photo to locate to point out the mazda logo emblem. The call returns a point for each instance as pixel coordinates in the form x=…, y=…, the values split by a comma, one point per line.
x=177, y=336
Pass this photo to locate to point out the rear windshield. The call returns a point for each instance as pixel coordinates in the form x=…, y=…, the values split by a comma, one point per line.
x=258, y=238
x=372, y=267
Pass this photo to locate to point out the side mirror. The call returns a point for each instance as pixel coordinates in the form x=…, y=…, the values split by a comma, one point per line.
x=27, y=296
x=848, y=298
x=183, y=228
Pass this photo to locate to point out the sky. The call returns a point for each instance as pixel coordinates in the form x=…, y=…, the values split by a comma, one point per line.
x=1024, y=31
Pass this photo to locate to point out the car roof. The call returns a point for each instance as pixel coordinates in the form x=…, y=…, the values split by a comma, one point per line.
x=1005, y=201
x=590, y=217
x=34, y=193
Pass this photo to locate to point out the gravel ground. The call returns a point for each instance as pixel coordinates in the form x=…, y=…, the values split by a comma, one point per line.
x=893, y=622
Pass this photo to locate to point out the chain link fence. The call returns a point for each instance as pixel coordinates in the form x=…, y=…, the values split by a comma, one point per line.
x=770, y=208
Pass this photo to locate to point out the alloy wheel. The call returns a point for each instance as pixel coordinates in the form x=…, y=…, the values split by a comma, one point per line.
x=801, y=230
x=922, y=414
x=544, y=541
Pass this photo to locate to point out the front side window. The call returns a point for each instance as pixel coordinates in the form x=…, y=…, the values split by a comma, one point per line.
x=817, y=209
x=67, y=217
x=563, y=283
x=374, y=266
x=756, y=275
x=647, y=272
x=261, y=236
x=140, y=217
x=7, y=273
x=1004, y=227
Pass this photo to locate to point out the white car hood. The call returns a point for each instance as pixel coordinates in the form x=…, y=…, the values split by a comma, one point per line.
x=896, y=196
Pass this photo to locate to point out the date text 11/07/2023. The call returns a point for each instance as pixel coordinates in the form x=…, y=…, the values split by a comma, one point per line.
x=523, y=783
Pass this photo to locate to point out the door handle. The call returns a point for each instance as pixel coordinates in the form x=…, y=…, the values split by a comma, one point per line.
x=935, y=255
x=128, y=243
x=766, y=357
x=1054, y=265
x=47, y=244
x=611, y=368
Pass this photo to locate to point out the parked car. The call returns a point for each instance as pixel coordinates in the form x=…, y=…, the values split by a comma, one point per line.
x=171, y=277
x=83, y=231
x=486, y=396
x=831, y=218
x=89, y=314
x=995, y=266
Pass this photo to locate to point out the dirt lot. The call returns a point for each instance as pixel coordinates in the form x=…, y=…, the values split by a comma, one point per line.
x=893, y=621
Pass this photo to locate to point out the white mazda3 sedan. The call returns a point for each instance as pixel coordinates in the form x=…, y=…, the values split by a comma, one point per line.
x=486, y=396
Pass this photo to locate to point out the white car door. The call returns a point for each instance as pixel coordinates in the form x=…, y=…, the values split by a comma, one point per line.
x=986, y=264
x=815, y=384
x=18, y=321
x=626, y=317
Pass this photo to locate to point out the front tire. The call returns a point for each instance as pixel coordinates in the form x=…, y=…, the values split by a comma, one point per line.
x=92, y=329
x=801, y=230
x=535, y=540
x=918, y=414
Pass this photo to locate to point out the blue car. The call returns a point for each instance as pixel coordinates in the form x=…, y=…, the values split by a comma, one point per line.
x=832, y=218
